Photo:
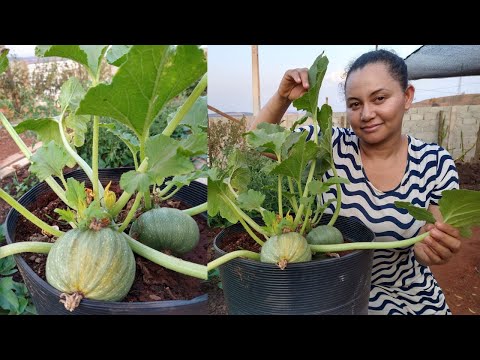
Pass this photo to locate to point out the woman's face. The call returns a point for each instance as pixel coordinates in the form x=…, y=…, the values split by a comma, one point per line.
x=376, y=103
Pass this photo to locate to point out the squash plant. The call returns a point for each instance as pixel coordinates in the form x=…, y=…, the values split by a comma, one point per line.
x=95, y=258
x=293, y=236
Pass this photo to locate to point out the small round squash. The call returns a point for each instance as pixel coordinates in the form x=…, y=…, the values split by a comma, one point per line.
x=324, y=235
x=284, y=249
x=166, y=229
x=97, y=264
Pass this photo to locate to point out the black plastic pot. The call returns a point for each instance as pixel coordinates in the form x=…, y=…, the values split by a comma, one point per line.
x=46, y=298
x=329, y=286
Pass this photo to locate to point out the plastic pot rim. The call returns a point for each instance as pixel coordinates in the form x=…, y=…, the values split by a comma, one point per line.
x=44, y=285
x=305, y=264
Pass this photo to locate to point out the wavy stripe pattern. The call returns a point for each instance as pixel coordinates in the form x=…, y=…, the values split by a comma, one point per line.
x=400, y=285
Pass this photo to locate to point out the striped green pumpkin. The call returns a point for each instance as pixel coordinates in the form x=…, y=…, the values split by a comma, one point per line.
x=98, y=264
x=166, y=229
x=284, y=249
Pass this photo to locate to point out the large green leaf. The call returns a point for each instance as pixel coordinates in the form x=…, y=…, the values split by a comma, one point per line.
x=146, y=81
x=251, y=200
x=300, y=121
x=195, y=144
x=291, y=140
x=318, y=187
x=238, y=171
x=166, y=158
x=45, y=128
x=301, y=153
x=127, y=137
x=3, y=60
x=71, y=93
x=8, y=299
x=325, y=117
x=7, y=266
x=324, y=161
x=79, y=126
x=197, y=117
x=134, y=181
x=185, y=180
x=49, y=160
x=316, y=73
x=461, y=209
x=268, y=138
x=76, y=195
x=88, y=55
x=219, y=197
x=416, y=211
x=117, y=54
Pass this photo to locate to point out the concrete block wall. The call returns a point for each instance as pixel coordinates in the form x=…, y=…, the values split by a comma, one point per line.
x=461, y=127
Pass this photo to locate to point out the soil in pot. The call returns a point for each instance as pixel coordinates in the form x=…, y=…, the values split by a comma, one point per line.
x=152, y=281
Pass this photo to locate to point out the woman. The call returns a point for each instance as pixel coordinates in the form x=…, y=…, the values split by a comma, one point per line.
x=384, y=166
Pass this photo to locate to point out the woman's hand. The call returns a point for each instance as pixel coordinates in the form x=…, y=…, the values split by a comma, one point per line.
x=438, y=247
x=294, y=84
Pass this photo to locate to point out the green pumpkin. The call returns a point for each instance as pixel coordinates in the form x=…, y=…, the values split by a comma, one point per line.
x=166, y=229
x=98, y=264
x=325, y=235
x=284, y=249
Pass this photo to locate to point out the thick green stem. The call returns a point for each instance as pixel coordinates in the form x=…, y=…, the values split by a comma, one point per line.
x=304, y=225
x=317, y=211
x=131, y=213
x=88, y=171
x=234, y=193
x=315, y=125
x=28, y=215
x=245, y=217
x=185, y=108
x=299, y=185
x=135, y=161
x=251, y=233
x=95, y=181
x=146, y=194
x=232, y=190
x=167, y=261
x=232, y=255
x=339, y=199
x=280, y=204
x=57, y=189
x=197, y=209
x=25, y=246
x=299, y=214
x=368, y=245
x=62, y=179
x=293, y=201
x=142, y=149
x=172, y=193
x=166, y=189
x=120, y=204
x=125, y=197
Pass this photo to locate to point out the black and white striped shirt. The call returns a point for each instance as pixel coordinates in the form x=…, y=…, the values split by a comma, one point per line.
x=400, y=285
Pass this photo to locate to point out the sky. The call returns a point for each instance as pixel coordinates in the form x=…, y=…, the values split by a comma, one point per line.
x=21, y=50
x=230, y=73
